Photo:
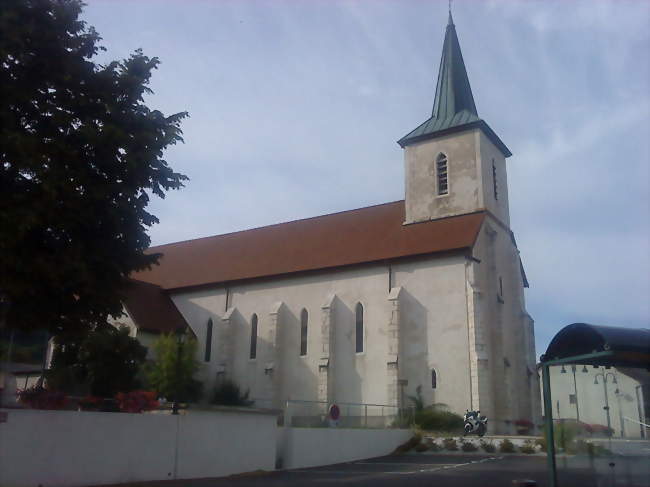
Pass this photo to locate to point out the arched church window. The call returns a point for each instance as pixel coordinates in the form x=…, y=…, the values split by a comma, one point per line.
x=304, y=318
x=359, y=327
x=434, y=379
x=494, y=181
x=441, y=173
x=253, y=351
x=208, y=340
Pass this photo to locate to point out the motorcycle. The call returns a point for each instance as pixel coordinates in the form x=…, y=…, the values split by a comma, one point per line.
x=475, y=423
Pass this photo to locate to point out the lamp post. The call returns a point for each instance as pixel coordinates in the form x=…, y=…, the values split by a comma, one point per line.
x=621, y=420
x=575, y=387
x=180, y=339
x=605, y=376
x=5, y=304
x=640, y=410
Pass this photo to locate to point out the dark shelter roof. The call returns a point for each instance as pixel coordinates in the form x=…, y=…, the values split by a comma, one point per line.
x=607, y=345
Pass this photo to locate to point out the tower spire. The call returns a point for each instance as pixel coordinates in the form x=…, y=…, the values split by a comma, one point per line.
x=453, y=105
x=453, y=91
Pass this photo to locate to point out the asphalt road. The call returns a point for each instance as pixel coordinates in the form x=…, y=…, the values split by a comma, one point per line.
x=439, y=470
x=391, y=471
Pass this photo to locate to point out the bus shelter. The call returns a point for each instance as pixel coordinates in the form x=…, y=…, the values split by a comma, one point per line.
x=596, y=398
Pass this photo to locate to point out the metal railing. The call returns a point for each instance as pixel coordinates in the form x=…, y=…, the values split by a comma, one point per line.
x=314, y=414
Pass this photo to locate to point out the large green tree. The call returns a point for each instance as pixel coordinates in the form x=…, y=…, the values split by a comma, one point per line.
x=80, y=155
x=102, y=363
x=172, y=371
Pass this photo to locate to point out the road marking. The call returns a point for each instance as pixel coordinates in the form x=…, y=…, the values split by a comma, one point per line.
x=438, y=467
x=413, y=464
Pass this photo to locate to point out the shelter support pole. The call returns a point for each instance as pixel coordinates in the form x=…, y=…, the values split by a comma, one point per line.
x=548, y=420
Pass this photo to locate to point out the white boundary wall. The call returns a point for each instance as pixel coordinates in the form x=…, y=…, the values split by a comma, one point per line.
x=68, y=448
x=312, y=447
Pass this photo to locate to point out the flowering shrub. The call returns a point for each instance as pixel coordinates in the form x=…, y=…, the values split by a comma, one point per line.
x=136, y=401
x=599, y=430
x=90, y=403
x=523, y=425
x=37, y=397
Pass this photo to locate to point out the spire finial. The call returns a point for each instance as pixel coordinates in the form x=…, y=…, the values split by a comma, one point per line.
x=451, y=20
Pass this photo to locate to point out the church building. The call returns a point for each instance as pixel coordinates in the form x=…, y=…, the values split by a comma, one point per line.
x=367, y=305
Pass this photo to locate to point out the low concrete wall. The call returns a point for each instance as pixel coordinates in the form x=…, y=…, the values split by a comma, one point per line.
x=312, y=447
x=67, y=448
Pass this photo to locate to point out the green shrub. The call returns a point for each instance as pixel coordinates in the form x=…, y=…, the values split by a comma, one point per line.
x=488, y=446
x=506, y=446
x=433, y=446
x=227, y=393
x=433, y=418
x=528, y=447
x=468, y=446
x=541, y=442
x=450, y=444
x=420, y=447
x=564, y=434
x=410, y=444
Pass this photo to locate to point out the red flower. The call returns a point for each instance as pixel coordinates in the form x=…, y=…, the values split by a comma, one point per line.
x=37, y=397
x=524, y=423
x=136, y=401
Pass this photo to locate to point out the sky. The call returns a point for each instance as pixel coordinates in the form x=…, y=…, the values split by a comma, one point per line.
x=296, y=106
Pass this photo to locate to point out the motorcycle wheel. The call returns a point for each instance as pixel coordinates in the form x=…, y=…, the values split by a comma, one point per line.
x=481, y=430
x=468, y=429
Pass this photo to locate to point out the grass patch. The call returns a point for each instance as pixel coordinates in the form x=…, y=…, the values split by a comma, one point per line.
x=450, y=444
x=528, y=447
x=468, y=446
x=421, y=447
x=488, y=446
x=409, y=445
x=506, y=446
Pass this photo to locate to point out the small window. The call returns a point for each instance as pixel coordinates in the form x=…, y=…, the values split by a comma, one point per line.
x=359, y=328
x=253, y=351
x=441, y=172
x=304, y=318
x=494, y=181
x=434, y=379
x=500, y=287
x=208, y=340
x=573, y=399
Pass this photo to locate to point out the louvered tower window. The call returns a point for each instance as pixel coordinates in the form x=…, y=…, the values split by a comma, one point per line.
x=304, y=318
x=208, y=340
x=494, y=181
x=441, y=172
x=359, y=328
x=253, y=350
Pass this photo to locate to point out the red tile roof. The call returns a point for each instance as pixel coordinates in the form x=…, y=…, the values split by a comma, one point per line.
x=151, y=308
x=371, y=234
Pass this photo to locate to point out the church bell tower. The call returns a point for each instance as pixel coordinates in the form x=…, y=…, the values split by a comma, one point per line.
x=454, y=162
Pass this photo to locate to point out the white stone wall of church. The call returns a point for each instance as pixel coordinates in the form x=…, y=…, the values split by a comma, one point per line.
x=507, y=330
x=434, y=332
x=487, y=153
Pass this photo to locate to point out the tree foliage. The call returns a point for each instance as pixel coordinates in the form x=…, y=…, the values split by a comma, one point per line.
x=228, y=393
x=104, y=362
x=80, y=155
x=169, y=375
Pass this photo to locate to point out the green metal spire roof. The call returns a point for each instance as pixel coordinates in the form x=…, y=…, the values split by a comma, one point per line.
x=453, y=106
